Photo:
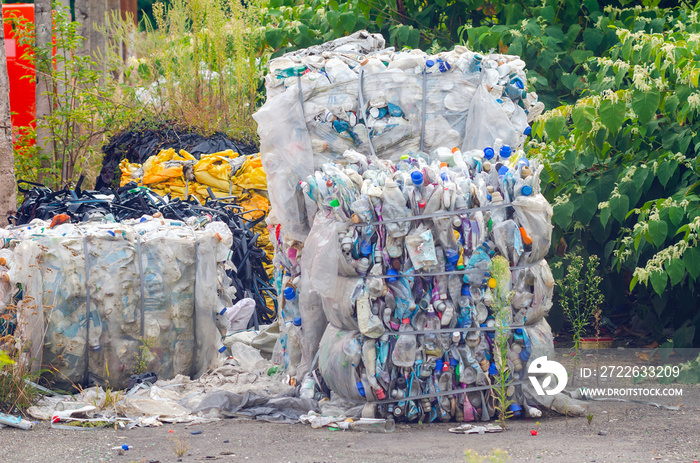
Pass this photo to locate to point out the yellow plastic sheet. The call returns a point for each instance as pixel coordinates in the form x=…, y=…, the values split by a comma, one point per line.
x=251, y=175
x=156, y=171
x=214, y=170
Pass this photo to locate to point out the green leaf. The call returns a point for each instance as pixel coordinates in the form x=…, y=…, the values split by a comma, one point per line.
x=665, y=170
x=658, y=282
x=683, y=337
x=547, y=13
x=592, y=38
x=554, y=127
x=640, y=175
x=563, y=214
x=583, y=118
x=689, y=376
x=348, y=20
x=675, y=270
x=604, y=215
x=586, y=206
x=573, y=32
x=691, y=259
x=612, y=115
x=671, y=104
x=645, y=104
x=676, y=214
x=658, y=230
x=274, y=37
x=619, y=205
x=581, y=56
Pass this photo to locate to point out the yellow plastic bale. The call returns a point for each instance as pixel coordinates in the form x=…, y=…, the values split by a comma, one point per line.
x=214, y=170
x=251, y=175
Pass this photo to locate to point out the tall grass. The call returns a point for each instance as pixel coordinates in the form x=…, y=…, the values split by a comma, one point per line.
x=199, y=65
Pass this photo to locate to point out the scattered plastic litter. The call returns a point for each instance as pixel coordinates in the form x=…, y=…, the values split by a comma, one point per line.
x=15, y=422
x=477, y=429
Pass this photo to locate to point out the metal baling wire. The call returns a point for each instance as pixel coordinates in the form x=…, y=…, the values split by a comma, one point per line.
x=86, y=372
x=193, y=371
x=422, y=125
x=440, y=394
x=453, y=272
x=139, y=255
x=361, y=102
x=434, y=215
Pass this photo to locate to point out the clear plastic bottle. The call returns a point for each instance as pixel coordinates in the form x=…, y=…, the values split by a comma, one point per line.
x=404, y=354
x=432, y=342
x=291, y=306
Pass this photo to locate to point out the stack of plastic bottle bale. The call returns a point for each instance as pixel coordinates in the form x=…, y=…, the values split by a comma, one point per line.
x=395, y=178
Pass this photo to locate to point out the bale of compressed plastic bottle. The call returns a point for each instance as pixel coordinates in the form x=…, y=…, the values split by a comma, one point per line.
x=99, y=302
x=396, y=179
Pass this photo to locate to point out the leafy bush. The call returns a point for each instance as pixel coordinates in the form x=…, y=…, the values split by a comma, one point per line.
x=622, y=165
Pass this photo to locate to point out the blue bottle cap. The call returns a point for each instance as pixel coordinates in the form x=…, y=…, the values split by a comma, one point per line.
x=452, y=256
x=526, y=190
x=453, y=363
x=392, y=272
x=125, y=447
x=505, y=151
x=289, y=293
x=523, y=161
x=430, y=63
x=519, y=330
x=516, y=410
x=365, y=248
x=493, y=370
x=503, y=170
x=222, y=349
x=466, y=291
x=489, y=197
x=438, y=364
x=223, y=311
x=296, y=321
x=528, y=130
x=499, y=101
x=488, y=153
x=361, y=388
x=518, y=83
x=417, y=178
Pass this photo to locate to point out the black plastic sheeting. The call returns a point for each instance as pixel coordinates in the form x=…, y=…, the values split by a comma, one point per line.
x=133, y=202
x=144, y=140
